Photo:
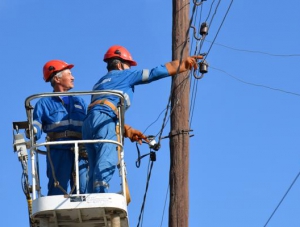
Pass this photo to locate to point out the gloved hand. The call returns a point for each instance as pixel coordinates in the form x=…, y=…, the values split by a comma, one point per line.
x=27, y=132
x=134, y=135
x=186, y=64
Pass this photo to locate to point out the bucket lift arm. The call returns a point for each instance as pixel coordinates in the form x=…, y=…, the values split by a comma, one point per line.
x=20, y=147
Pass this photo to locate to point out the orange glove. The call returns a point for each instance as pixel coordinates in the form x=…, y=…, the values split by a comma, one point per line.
x=134, y=135
x=186, y=64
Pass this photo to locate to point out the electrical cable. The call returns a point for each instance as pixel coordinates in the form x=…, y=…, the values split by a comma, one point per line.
x=254, y=51
x=184, y=84
x=172, y=86
x=210, y=9
x=195, y=84
x=219, y=28
x=162, y=218
x=282, y=199
x=257, y=85
x=145, y=194
x=193, y=101
x=154, y=120
x=194, y=94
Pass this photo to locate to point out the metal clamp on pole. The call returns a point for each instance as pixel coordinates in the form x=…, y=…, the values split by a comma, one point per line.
x=178, y=132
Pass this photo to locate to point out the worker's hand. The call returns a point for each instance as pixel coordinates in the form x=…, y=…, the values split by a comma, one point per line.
x=27, y=132
x=134, y=135
x=188, y=63
x=191, y=62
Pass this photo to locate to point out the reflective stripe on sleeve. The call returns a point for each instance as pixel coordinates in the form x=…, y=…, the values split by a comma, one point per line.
x=38, y=124
x=145, y=75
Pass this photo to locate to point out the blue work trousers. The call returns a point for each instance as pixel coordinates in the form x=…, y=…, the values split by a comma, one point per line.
x=102, y=157
x=83, y=174
x=63, y=168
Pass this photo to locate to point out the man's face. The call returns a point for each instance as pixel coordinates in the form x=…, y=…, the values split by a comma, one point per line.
x=66, y=81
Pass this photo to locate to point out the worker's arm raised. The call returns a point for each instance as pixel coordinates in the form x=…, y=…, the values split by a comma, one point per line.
x=186, y=64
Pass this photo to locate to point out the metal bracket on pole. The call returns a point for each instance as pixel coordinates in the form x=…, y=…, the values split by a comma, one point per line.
x=178, y=132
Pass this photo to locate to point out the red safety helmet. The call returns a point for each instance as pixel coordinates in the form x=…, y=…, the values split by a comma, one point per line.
x=54, y=66
x=119, y=52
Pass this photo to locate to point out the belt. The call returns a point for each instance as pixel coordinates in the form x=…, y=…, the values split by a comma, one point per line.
x=66, y=134
x=104, y=102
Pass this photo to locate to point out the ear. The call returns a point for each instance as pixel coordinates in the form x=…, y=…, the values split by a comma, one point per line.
x=119, y=66
x=56, y=79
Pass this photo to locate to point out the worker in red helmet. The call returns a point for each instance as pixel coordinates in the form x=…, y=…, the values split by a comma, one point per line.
x=61, y=118
x=101, y=118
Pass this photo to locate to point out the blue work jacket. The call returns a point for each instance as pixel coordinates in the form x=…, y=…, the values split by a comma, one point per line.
x=124, y=82
x=51, y=114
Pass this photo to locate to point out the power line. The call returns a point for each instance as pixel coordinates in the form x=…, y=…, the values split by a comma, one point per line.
x=162, y=218
x=282, y=198
x=257, y=85
x=145, y=194
x=194, y=90
x=154, y=120
x=254, y=51
x=219, y=27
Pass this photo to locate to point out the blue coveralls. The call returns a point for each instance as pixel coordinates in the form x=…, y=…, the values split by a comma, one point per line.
x=52, y=114
x=101, y=121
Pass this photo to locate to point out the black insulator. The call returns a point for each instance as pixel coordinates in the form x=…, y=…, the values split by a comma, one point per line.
x=156, y=147
x=152, y=156
x=203, y=67
x=204, y=29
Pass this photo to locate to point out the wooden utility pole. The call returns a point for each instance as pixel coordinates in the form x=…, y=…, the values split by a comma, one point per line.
x=179, y=140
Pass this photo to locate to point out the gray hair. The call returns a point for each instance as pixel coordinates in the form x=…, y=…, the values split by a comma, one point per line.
x=59, y=74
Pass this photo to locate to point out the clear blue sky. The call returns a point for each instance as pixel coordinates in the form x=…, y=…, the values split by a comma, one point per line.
x=245, y=152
